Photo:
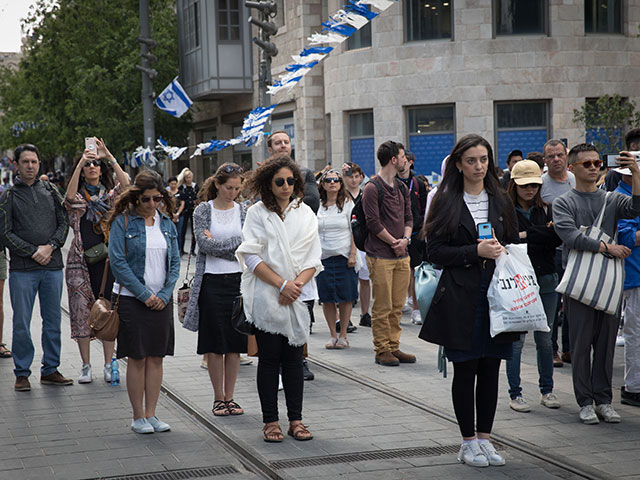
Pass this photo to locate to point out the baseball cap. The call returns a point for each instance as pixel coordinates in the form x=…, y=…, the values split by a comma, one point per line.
x=526, y=172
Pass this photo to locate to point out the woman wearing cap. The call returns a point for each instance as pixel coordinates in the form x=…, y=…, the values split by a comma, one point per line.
x=535, y=228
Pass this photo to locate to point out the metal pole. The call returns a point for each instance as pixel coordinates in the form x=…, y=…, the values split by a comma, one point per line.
x=147, y=84
x=265, y=80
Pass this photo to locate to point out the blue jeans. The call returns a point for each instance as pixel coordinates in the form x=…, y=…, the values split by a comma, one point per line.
x=23, y=287
x=544, y=348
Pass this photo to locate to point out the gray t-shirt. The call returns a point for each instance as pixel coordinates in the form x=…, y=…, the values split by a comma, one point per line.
x=552, y=189
x=575, y=209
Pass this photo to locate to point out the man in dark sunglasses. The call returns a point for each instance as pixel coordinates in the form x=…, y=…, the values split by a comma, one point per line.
x=34, y=226
x=593, y=332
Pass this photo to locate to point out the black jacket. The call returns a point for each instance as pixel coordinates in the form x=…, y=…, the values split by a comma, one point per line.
x=311, y=193
x=541, y=240
x=452, y=314
x=418, y=195
x=30, y=216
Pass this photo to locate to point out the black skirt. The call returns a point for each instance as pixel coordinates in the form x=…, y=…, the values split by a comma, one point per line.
x=215, y=333
x=144, y=332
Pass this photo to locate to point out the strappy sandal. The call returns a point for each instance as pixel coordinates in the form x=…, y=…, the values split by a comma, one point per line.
x=4, y=351
x=234, y=408
x=220, y=408
x=272, y=433
x=342, y=343
x=299, y=432
x=332, y=343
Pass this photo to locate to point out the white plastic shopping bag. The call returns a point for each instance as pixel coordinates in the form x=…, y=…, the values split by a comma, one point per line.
x=514, y=296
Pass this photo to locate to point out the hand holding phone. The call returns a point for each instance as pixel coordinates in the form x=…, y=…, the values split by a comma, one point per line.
x=91, y=144
x=485, y=231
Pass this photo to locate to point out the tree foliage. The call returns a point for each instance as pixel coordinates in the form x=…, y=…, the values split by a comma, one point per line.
x=77, y=77
x=606, y=120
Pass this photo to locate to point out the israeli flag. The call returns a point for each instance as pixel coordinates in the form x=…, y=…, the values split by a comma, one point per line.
x=174, y=100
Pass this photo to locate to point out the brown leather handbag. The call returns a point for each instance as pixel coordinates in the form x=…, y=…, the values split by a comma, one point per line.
x=104, y=320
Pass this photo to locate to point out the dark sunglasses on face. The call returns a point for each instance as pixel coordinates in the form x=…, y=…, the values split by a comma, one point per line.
x=530, y=185
x=331, y=180
x=588, y=163
x=156, y=199
x=280, y=181
x=95, y=163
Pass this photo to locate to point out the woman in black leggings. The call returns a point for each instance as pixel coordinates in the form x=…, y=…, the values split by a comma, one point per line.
x=469, y=194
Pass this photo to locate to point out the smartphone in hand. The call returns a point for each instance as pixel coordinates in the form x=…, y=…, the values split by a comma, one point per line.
x=485, y=231
x=90, y=144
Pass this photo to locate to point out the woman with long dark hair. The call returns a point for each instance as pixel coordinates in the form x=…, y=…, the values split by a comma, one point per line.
x=280, y=254
x=91, y=192
x=218, y=221
x=143, y=251
x=458, y=319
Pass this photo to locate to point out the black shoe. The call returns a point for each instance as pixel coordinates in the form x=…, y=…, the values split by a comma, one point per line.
x=306, y=373
x=351, y=327
x=629, y=398
x=365, y=320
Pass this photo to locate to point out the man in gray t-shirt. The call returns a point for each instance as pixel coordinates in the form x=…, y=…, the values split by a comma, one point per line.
x=552, y=188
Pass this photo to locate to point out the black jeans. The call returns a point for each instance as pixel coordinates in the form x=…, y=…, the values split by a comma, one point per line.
x=186, y=223
x=486, y=371
x=274, y=351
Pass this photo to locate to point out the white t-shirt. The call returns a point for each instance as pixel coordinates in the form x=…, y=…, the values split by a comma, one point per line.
x=478, y=206
x=155, y=260
x=334, y=229
x=225, y=224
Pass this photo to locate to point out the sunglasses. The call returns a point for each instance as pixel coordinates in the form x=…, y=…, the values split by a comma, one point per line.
x=156, y=199
x=332, y=180
x=280, y=181
x=530, y=185
x=232, y=169
x=589, y=163
x=95, y=163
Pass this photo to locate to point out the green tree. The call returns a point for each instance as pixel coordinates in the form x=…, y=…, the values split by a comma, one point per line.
x=77, y=77
x=606, y=120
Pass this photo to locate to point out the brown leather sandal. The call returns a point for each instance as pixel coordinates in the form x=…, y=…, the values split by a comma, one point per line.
x=234, y=408
x=220, y=408
x=299, y=432
x=272, y=433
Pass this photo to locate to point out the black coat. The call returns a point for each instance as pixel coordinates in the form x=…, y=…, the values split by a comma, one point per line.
x=451, y=318
x=541, y=240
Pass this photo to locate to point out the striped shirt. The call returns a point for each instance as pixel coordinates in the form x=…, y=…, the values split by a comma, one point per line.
x=478, y=206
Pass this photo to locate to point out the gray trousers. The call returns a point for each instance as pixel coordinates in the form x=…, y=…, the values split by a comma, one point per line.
x=592, y=332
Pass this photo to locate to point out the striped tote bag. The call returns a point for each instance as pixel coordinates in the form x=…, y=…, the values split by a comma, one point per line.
x=594, y=279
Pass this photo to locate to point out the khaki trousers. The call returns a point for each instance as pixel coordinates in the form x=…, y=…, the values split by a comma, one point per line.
x=389, y=285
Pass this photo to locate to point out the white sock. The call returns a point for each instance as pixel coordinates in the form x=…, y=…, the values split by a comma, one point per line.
x=467, y=442
x=484, y=440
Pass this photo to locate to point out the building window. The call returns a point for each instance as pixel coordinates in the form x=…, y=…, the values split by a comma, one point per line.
x=520, y=126
x=603, y=16
x=516, y=17
x=229, y=20
x=281, y=15
x=431, y=136
x=428, y=19
x=602, y=128
x=192, y=24
x=362, y=38
x=361, y=142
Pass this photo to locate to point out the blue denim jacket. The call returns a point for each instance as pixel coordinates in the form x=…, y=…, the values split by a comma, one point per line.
x=129, y=271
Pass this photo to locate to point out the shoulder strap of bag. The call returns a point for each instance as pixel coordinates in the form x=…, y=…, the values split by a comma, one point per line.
x=604, y=207
x=105, y=273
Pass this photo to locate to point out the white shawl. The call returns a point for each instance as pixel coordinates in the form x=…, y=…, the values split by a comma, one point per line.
x=288, y=247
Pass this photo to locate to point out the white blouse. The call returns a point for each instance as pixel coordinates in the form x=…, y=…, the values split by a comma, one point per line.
x=334, y=229
x=225, y=224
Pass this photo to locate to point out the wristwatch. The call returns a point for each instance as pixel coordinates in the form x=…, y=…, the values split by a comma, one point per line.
x=407, y=239
x=53, y=245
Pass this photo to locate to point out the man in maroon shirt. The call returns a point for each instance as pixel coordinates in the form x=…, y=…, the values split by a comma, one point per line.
x=390, y=224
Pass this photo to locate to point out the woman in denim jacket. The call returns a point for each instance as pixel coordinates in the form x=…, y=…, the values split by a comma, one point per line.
x=143, y=250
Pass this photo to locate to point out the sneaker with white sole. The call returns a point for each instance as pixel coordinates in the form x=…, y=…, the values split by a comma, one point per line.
x=107, y=372
x=158, y=425
x=619, y=341
x=141, y=425
x=471, y=454
x=493, y=457
x=407, y=306
x=85, y=374
x=416, y=318
x=550, y=400
x=607, y=413
x=588, y=415
x=519, y=405
x=244, y=360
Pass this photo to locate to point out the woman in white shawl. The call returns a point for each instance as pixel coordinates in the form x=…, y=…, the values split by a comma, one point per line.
x=280, y=253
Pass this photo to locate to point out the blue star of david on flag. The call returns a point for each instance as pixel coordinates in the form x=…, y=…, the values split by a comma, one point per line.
x=174, y=100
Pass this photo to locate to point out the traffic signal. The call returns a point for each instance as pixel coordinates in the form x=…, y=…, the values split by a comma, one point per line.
x=267, y=28
x=148, y=58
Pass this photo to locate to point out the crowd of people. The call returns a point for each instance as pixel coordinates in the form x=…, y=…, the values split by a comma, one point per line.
x=279, y=238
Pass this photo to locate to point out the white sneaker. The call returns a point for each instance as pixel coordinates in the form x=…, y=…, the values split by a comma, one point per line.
x=416, y=318
x=588, y=415
x=619, y=341
x=471, y=454
x=158, y=425
x=408, y=306
x=107, y=372
x=141, y=425
x=85, y=374
x=607, y=413
x=519, y=405
x=494, y=458
x=203, y=363
x=550, y=400
x=244, y=360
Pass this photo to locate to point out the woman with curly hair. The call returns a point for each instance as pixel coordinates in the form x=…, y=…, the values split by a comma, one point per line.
x=143, y=250
x=91, y=192
x=280, y=254
x=338, y=282
x=218, y=221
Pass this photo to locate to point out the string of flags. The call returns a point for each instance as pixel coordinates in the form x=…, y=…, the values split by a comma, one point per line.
x=338, y=28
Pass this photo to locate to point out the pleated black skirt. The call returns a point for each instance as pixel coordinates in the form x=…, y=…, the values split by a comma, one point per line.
x=144, y=332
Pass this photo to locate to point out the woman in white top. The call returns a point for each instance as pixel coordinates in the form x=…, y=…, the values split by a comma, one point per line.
x=218, y=221
x=338, y=282
x=143, y=251
x=280, y=254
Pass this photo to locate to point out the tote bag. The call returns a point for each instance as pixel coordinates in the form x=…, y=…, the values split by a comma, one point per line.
x=426, y=284
x=594, y=279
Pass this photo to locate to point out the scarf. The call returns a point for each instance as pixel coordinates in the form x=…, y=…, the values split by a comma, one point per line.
x=96, y=197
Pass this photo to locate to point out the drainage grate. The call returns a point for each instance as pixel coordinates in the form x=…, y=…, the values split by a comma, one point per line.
x=180, y=474
x=365, y=456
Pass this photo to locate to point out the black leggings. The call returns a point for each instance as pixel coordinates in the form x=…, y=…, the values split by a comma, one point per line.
x=274, y=351
x=486, y=370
